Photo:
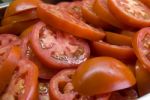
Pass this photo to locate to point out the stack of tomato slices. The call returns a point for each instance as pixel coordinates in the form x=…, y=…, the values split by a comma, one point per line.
x=77, y=50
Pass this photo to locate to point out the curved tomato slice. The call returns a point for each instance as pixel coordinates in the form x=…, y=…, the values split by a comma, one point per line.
x=141, y=45
x=24, y=83
x=102, y=75
x=22, y=16
x=17, y=6
x=45, y=42
x=90, y=16
x=59, y=18
x=44, y=91
x=61, y=88
x=130, y=12
x=17, y=28
x=44, y=72
x=118, y=39
x=101, y=9
x=101, y=48
x=143, y=80
x=7, y=64
x=126, y=94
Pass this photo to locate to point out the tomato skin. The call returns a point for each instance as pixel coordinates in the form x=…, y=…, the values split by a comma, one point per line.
x=17, y=28
x=23, y=16
x=8, y=65
x=64, y=21
x=141, y=46
x=130, y=18
x=41, y=49
x=118, y=39
x=18, y=6
x=102, y=75
x=101, y=48
x=27, y=73
x=142, y=77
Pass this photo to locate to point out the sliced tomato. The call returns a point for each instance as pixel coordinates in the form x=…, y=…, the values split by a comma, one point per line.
x=44, y=91
x=141, y=45
x=59, y=18
x=61, y=88
x=146, y=2
x=126, y=94
x=130, y=12
x=22, y=16
x=90, y=16
x=143, y=80
x=74, y=8
x=8, y=39
x=101, y=48
x=102, y=75
x=44, y=72
x=45, y=42
x=17, y=6
x=17, y=28
x=118, y=39
x=24, y=83
x=101, y=9
x=9, y=58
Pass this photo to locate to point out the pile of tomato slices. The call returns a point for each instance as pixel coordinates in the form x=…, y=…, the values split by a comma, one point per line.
x=75, y=50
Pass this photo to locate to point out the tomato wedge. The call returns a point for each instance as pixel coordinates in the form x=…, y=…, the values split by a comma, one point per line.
x=59, y=18
x=45, y=42
x=17, y=6
x=130, y=12
x=7, y=64
x=101, y=9
x=24, y=83
x=124, y=53
x=102, y=75
x=143, y=80
x=22, y=16
x=61, y=88
x=141, y=45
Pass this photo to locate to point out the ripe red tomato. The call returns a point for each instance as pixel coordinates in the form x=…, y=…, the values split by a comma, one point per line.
x=130, y=12
x=24, y=83
x=124, y=53
x=143, y=80
x=141, y=45
x=61, y=88
x=59, y=18
x=7, y=64
x=45, y=42
x=146, y=2
x=102, y=75
x=17, y=6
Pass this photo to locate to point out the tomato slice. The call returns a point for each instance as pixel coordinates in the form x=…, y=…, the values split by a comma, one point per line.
x=44, y=72
x=124, y=53
x=17, y=28
x=24, y=83
x=59, y=18
x=22, y=16
x=126, y=94
x=8, y=65
x=73, y=8
x=130, y=12
x=17, y=6
x=8, y=39
x=61, y=88
x=45, y=42
x=44, y=91
x=146, y=2
x=141, y=45
x=90, y=16
x=102, y=75
x=143, y=80
x=101, y=9
x=118, y=39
